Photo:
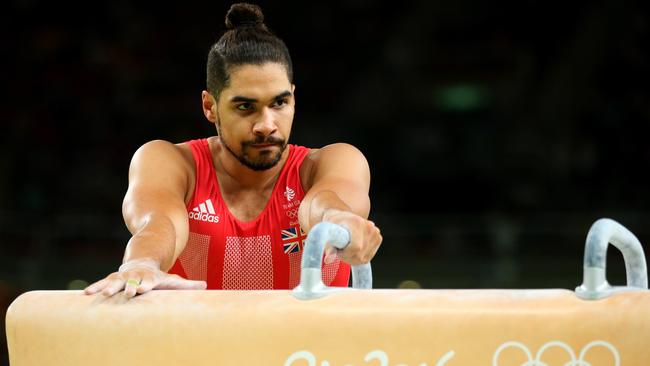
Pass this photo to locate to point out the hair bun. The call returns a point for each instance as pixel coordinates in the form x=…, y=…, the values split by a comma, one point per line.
x=243, y=14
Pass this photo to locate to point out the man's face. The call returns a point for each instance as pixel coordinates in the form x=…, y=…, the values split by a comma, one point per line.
x=255, y=113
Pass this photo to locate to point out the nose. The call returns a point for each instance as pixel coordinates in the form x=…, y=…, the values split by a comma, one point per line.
x=265, y=125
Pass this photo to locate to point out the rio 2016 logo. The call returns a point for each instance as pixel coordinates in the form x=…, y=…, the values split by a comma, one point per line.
x=377, y=355
x=382, y=357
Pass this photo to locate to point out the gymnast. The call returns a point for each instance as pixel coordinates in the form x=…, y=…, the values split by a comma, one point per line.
x=232, y=211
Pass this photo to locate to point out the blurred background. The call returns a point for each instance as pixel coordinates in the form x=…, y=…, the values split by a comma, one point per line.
x=496, y=132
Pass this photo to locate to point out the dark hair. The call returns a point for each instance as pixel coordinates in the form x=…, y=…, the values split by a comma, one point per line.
x=247, y=41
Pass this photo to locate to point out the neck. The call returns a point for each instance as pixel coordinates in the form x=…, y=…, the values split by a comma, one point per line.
x=233, y=175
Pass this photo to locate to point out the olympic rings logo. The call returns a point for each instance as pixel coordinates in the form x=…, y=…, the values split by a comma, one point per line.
x=580, y=361
x=292, y=213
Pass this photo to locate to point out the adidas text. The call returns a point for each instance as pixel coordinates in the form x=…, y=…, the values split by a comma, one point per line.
x=203, y=216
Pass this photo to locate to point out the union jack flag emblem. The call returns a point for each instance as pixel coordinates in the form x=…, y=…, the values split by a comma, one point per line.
x=291, y=247
x=292, y=239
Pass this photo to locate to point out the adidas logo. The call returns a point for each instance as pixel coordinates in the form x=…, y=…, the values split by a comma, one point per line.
x=204, y=212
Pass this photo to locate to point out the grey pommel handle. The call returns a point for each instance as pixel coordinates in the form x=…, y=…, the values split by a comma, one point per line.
x=311, y=283
x=601, y=234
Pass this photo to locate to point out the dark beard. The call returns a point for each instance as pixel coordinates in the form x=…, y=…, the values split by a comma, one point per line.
x=261, y=165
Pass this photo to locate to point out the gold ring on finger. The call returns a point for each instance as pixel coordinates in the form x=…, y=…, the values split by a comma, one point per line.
x=133, y=282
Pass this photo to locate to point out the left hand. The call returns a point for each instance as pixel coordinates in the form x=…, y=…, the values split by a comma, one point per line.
x=365, y=238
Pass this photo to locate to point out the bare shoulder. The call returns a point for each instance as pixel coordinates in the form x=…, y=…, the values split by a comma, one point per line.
x=335, y=151
x=340, y=153
x=331, y=158
x=158, y=147
x=163, y=151
x=162, y=160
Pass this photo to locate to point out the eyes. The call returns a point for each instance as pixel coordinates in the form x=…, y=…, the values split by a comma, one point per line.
x=249, y=107
x=245, y=106
x=279, y=103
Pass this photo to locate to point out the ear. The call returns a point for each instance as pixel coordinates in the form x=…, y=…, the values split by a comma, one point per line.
x=209, y=104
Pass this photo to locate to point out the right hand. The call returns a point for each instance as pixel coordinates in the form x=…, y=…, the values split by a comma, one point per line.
x=140, y=276
x=365, y=237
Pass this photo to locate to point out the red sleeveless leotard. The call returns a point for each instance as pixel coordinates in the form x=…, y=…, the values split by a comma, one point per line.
x=261, y=254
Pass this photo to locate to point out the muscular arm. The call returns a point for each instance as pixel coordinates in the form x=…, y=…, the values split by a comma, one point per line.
x=154, y=205
x=154, y=212
x=337, y=185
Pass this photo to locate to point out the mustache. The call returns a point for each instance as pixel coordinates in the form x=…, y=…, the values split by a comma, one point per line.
x=264, y=140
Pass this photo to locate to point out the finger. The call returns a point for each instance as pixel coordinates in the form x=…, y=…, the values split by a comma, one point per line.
x=353, y=252
x=330, y=254
x=372, y=242
x=376, y=247
x=131, y=287
x=113, y=287
x=329, y=250
x=95, y=287
x=147, y=284
x=330, y=258
x=174, y=282
x=182, y=284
